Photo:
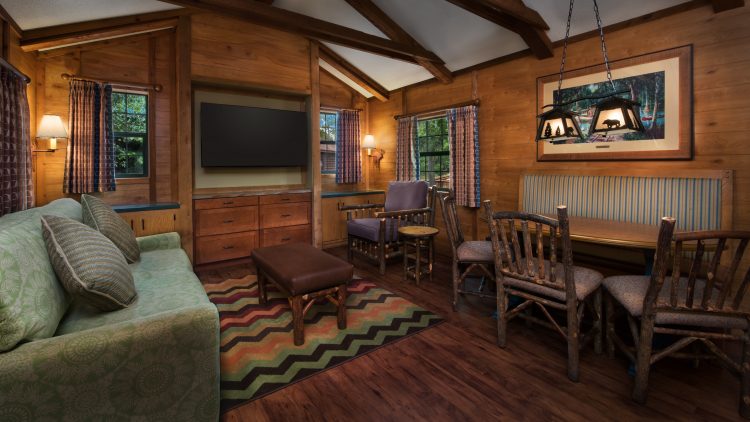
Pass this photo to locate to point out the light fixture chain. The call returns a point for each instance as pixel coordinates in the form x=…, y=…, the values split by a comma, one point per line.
x=565, y=51
x=604, y=44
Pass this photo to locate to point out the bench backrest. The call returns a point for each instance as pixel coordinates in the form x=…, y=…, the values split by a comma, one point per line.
x=698, y=199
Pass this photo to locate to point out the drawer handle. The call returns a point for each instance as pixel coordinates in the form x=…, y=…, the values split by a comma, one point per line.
x=228, y=247
x=228, y=202
x=286, y=215
x=286, y=199
x=228, y=221
x=286, y=239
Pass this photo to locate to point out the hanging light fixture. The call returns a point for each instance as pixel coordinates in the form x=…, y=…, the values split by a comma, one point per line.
x=612, y=114
x=559, y=124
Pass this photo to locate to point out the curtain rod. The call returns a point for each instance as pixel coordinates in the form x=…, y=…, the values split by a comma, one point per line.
x=433, y=110
x=15, y=70
x=339, y=108
x=155, y=87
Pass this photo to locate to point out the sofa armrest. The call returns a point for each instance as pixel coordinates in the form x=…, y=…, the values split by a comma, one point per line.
x=162, y=367
x=159, y=241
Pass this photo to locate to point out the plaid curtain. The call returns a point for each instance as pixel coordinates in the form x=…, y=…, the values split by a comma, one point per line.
x=407, y=167
x=16, y=185
x=90, y=163
x=463, y=134
x=348, y=152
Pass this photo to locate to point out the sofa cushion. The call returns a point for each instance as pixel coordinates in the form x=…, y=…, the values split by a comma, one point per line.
x=163, y=269
x=32, y=301
x=100, y=216
x=369, y=228
x=406, y=195
x=88, y=265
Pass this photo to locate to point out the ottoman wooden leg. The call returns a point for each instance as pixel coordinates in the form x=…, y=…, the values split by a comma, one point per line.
x=297, y=320
x=262, y=298
x=341, y=298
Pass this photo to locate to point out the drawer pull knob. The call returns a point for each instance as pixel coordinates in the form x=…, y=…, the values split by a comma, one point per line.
x=286, y=199
x=228, y=221
x=286, y=215
x=228, y=202
x=286, y=239
x=228, y=247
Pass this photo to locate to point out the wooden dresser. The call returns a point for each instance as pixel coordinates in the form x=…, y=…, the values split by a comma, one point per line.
x=230, y=227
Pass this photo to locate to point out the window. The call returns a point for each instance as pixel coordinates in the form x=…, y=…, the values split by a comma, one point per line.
x=130, y=127
x=328, y=142
x=434, y=155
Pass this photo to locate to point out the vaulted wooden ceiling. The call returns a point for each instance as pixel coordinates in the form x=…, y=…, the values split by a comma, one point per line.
x=375, y=46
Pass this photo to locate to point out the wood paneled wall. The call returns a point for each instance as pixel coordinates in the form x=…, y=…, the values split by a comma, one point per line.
x=507, y=94
x=140, y=60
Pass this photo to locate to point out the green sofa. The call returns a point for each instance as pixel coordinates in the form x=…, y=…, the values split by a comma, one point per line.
x=155, y=360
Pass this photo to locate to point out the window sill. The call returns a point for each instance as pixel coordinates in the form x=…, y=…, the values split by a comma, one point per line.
x=133, y=181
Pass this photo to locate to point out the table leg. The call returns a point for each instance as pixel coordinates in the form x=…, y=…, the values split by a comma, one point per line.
x=418, y=263
x=298, y=324
x=648, y=258
x=431, y=245
x=406, y=260
x=262, y=298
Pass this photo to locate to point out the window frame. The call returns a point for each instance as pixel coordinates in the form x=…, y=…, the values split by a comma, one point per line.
x=145, y=136
x=334, y=113
x=434, y=153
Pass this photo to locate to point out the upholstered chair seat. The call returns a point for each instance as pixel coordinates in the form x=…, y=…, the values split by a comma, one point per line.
x=630, y=291
x=586, y=282
x=475, y=250
x=369, y=228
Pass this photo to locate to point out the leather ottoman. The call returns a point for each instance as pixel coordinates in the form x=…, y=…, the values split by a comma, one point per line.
x=305, y=273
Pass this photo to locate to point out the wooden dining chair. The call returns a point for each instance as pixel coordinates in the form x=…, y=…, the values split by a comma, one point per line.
x=697, y=305
x=469, y=256
x=522, y=271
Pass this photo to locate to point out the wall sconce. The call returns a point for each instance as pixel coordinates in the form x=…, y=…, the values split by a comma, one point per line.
x=51, y=127
x=375, y=154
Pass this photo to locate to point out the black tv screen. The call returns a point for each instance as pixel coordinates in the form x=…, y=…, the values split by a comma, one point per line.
x=237, y=136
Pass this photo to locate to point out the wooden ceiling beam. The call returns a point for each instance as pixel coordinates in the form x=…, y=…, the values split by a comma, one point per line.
x=352, y=72
x=97, y=45
x=535, y=37
x=4, y=15
x=722, y=5
x=93, y=31
x=392, y=30
x=269, y=16
x=517, y=10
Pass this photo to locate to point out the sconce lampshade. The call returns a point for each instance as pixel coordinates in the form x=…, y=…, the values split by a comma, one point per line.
x=616, y=115
x=51, y=127
x=556, y=125
x=369, y=142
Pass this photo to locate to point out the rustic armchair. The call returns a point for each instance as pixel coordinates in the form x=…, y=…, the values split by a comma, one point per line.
x=700, y=306
x=521, y=270
x=372, y=229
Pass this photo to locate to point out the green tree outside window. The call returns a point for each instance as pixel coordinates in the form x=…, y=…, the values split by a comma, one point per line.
x=130, y=129
x=434, y=151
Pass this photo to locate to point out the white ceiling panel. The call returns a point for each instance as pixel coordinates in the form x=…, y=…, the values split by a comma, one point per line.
x=460, y=38
x=30, y=14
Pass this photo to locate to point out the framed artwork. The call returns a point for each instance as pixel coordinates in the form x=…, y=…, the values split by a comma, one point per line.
x=661, y=82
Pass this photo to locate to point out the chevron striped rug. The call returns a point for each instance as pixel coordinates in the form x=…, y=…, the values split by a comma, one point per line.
x=258, y=355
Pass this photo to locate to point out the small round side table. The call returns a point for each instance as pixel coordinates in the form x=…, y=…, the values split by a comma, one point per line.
x=418, y=237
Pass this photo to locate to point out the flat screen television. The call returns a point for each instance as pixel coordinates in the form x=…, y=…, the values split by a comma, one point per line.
x=239, y=136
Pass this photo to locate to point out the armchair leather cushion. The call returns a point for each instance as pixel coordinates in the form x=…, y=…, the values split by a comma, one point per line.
x=369, y=228
x=406, y=195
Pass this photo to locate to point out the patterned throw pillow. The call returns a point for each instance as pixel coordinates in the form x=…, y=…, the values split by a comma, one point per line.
x=89, y=266
x=100, y=216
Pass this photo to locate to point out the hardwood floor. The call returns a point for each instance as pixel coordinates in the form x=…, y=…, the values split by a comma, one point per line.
x=455, y=371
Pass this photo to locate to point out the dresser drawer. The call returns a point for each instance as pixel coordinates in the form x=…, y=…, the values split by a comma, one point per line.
x=282, y=215
x=226, y=220
x=277, y=236
x=225, y=246
x=239, y=201
x=284, y=198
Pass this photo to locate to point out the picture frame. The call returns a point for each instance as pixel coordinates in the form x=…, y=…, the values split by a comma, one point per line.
x=662, y=82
